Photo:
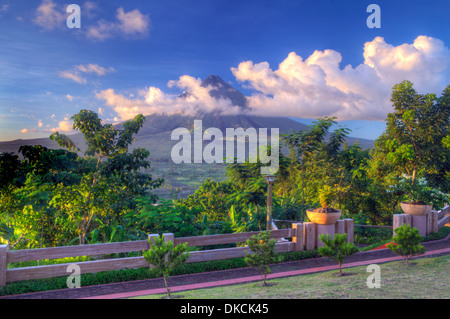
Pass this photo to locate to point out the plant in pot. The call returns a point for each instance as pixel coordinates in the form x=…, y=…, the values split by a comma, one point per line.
x=326, y=214
x=419, y=197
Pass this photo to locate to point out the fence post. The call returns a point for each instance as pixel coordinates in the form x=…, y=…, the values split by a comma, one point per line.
x=169, y=237
x=407, y=219
x=339, y=227
x=309, y=235
x=434, y=221
x=151, y=238
x=397, y=222
x=298, y=236
x=429, y=223
x=349, y=229
x=3, y=264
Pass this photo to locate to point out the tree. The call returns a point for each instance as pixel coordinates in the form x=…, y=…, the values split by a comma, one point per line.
x=413, y=141
x=9, y=173
x=112, y=177
x=337, y=247
x=317, y=152
x=165, y=257
x=407, y=242
x=263, y=255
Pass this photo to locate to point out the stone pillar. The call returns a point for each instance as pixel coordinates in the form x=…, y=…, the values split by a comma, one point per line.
x=323, y=230
x=3, y=264
x=339, y=227
x=407, y=219
x=349, y=226
x=297, y=238
x=309, y=235
x=429, y=223
x=401, y=219
x=434, y=221
x=420, y=222
x=151, y=239
x=397, y=222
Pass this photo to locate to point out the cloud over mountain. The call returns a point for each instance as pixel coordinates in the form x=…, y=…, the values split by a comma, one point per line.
x=318, y=86
x=308, y=88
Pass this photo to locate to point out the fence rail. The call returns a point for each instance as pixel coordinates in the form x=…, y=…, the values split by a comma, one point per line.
x=48, y=271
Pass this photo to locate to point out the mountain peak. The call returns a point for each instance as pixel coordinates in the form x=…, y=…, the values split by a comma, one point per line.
x=213, y=80
x=222, y=90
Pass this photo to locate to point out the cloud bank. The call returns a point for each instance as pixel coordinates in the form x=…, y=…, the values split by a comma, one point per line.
x=195, y=99
x=309, y=88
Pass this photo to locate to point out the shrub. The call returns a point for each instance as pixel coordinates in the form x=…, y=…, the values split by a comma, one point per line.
x=165, y=257
x=407, y=242
x=337, y=247
x=263, y=249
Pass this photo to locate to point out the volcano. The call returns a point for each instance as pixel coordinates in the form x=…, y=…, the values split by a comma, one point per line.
x=156, y=132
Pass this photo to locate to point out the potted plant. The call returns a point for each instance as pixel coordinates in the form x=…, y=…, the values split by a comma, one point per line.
x=420, y=198
x=326, y=214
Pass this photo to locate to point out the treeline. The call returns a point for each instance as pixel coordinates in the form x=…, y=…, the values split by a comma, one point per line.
x=64, y=197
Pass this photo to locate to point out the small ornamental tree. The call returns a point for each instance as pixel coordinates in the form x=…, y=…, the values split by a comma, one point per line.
x=165, y=257
x=263, y=249
x=407, y=242
x=337, y=247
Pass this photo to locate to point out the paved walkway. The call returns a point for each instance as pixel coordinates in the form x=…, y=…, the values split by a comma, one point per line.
x=258, y=278
x=228, y=277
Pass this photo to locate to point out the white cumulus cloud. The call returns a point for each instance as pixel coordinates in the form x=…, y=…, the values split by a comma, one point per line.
x=153, y=100
x=310, y=87
x=319, y=85
x=63, y=126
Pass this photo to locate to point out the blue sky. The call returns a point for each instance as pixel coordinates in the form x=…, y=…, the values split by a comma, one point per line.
x=301, y=59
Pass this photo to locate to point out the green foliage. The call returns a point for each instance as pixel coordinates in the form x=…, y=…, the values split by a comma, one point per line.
x=421, y=193
x=165, y=257
x=407, y=242
x=112, y=176
x=166, y=217
x=263, y=253
x=212, y=199
x=337, y=247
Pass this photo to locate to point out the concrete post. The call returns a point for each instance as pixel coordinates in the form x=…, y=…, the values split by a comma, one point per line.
x=434, y=221
x=420, y=222
x=309, y=235
x=297, y=238
x=397, y=222
x=324, y=230
x=3, y=264
x=152, y=239
x=169, y=237
x=339, y=227
x=407, y=219
x=429, y=223
x=349, y=229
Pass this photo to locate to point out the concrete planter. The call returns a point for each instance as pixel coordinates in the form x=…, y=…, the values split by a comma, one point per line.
x=323, y=218
x=416, y=210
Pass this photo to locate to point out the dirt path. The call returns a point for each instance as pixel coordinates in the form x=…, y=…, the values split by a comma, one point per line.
x=233, y=275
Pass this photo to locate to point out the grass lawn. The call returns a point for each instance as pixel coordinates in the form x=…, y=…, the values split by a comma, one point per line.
x=425, y=278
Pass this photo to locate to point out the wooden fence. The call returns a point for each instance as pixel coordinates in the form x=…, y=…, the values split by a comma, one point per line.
x=57, y=270
x=428, y=224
